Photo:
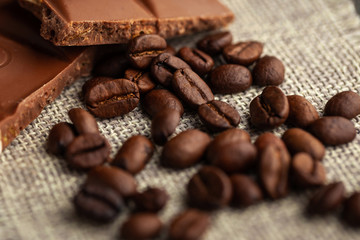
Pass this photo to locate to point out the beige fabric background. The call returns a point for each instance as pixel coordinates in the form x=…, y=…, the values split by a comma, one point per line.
x=319, y=43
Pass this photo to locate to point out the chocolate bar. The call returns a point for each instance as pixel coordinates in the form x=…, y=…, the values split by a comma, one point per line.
x=33, y=72
x=92, y=22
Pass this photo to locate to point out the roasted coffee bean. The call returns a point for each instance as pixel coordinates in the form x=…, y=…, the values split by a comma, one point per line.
x=199, y=61
x=268, y=71
x=246, y=191
x=298, y=140
x=170, y=49
x=210, y=188
x=267, y=139
x=301, y=111
x=215, y=43
x=164, y=66
x=141, y=226
x=134, y=154
x=87, y=151
x=144, y=48
x=189, y=225
x=345, y=104
x=274, y=168
x=164, y=125
x=230, y=78
x=243, y=53
x=307, y=172
x=270, y=109
x=351, y=212
x=327, y=199
x=191, y=88
x=230, y=136
x=141, y=78
x=185, y=150
x=83, y=121
x=218, y=116
x=333, y=130
x=151, y=200
x=159, y=99
x=106, y=97
x=111, y=66
x=60, y=136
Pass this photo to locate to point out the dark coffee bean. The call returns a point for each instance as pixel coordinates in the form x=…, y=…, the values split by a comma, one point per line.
x=189, y=225
x=151, y=200
x=246, y=191
x=164, y=125
x=210, y=188
x=164, y=66
x=345, y=104
x=230, y=78
x=301, y=111
x=60, y=136
x=298, y=140
x=141, y=78
x=185, y=150
x=268, y=71
x=307, y=172
x=83, y=121
x=191, y=88
x=106, y=97
x=274, y=168
x=199, y=61
x=243, y=53
x=215, y=43
x=230, y=136
x=351, y=212
x=159, y=99
x=134, y=154
x=141, y=226
x=87, y=151
x=144, y=48
x=170, y=49
x=333, y=130
x=218, y=116
x=327, y=199
x=111, y=66
x=270, y=109
x=267, y=139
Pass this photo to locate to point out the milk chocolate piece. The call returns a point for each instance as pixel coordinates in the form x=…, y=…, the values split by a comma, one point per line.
x=92, y=22
x=33, y=72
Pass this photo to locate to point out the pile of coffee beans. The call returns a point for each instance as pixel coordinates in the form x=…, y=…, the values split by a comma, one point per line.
x=236, y=172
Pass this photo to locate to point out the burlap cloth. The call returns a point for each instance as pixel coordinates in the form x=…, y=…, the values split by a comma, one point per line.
x=319, y=43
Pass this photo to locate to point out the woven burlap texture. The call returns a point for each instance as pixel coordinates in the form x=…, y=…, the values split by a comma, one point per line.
x=319, y=43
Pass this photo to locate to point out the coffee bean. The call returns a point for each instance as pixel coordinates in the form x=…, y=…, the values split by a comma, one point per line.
x=298, y=140
x=333, y=130
x=243, y=53
x=144, y=48
x=234, y=135
x=246, y=191
x=270, y=109
x=327, y=199
x=83, y=121
x=141, y=226
x=215, y=43
x=301, y=111
x=151, y=200
x=267, y=139
x=111, y=66
x=351, y=212
x=268, y=71
x=159, y=99
x=345, y=104
x=106, y=97
x=210, y=188
x=60, y=136
x=218, y=116
x=164, y=66
x=164, y=125
x=307, y=172
x=141, y=78
x=134, y=154
x=230, y=78
x=199, y=61
x=191, y=88
x=87, y=151
x=170, y=49
x=185, y=150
